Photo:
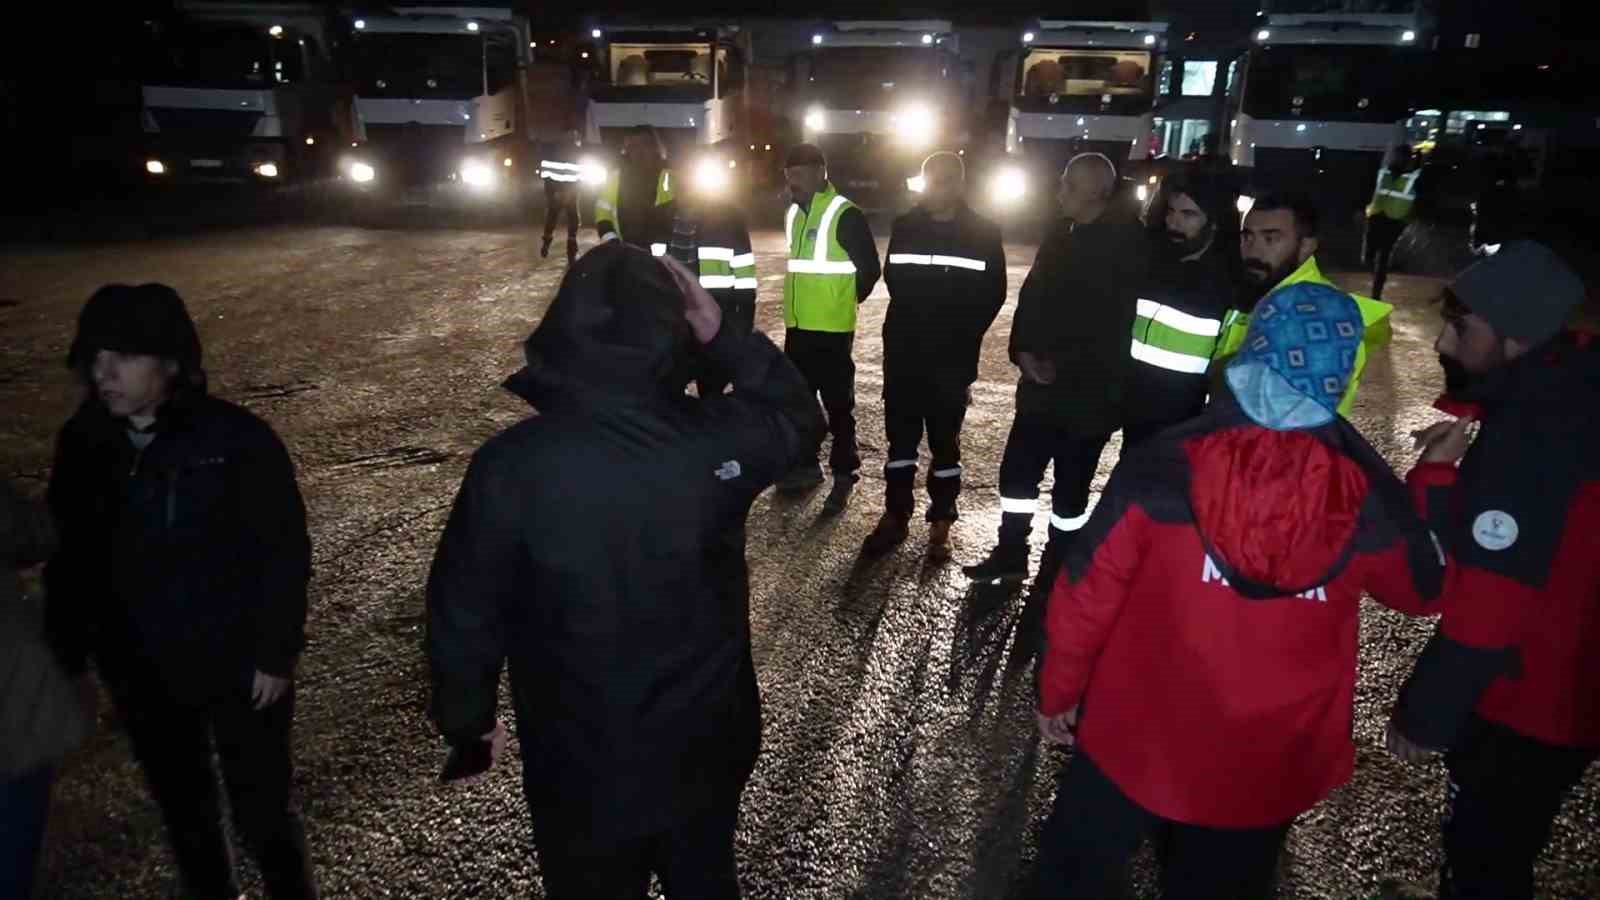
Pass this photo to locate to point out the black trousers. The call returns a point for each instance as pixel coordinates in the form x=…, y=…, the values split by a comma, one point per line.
x=172, y=740
x=739, y=315
x=1031, y=447
x=824, y=358
x=1503, y=795
x=694, y=861
x=911, y=406
x=561, y=199
x=1382, y=234
x=1094, y=829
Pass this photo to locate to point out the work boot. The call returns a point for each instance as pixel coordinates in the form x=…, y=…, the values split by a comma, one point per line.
x=892, y=531
x=801, y=478
x=572, y=252
x=1007, y=562
x=939, y=541
x=839, y=496
x=544, y=248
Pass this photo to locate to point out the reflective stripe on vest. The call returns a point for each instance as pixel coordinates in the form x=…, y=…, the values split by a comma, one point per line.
x=717, y=269
x=918, y=259
x=564, y=172
x=819, y=291
x=1172, y=339
x=1395, y=195
x=606, y=202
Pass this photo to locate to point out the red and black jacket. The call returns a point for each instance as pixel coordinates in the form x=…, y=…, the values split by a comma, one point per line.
x=1519, y=643
x=1206, y=620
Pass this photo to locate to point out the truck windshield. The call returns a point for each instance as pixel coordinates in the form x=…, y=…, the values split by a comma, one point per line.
x=662, y=71
x=1329, y=83
x=419, y=66
x=1065, y=78
x=873, y=77
x=222, y=55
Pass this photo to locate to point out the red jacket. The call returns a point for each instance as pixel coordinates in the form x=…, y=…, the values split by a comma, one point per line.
x=1520, y=639
x=1207, y=617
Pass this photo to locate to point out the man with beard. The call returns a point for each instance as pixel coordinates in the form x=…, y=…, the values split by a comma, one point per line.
x=1278, y=243
x=1180, y=308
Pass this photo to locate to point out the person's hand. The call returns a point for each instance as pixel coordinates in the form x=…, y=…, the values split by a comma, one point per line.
x=1061, y=729
x=699, y=307
x=1403, y=747
x=497, y=742
x=1444, y=442
x=267, y=690
x=1036, y=369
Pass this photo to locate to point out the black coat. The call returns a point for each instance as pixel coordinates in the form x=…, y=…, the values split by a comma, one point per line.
x=599, y=548
x=187, y=561
x=1203, y=288
x=947, y=282
x=1076, y=308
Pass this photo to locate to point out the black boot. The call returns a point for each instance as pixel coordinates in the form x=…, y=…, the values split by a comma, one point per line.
x=1007, y=562
x=544, y=248
x=572, y=252
x=839, y=496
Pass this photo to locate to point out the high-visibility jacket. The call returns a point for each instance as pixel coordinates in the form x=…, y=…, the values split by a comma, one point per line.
x=1395, y=196
x=1374, y=316
x=819, y=291
x=1177, y=324
x=559, y=163
x=727, y=265
x=607, y=203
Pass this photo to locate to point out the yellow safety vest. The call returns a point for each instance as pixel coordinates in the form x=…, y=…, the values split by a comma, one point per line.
x=1395, y=195
x=605, y=203
x=1378, y=329
x=819, y=291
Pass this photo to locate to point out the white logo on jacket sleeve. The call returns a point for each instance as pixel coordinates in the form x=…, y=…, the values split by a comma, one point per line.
x=1494, y=530
x=729, y=470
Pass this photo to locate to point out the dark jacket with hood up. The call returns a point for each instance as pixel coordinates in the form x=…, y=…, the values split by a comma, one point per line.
x=599, y=548
x=1206, y=618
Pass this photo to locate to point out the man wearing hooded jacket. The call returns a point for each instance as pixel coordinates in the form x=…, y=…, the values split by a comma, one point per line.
x=1202, y=636
x=616, y=588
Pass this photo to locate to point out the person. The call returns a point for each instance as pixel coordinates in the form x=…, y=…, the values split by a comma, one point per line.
x=561, y=171
x=1507, y=688
x=1202, y=635
x=1394, y=199
x=1187, y=289
x=1069, y=338
x=628, y=204
x=712, y=238
x=832, y=268
x=1278, y=242
x=42, y=715
x=182, y=573
x=946, y=276
x=618, y=592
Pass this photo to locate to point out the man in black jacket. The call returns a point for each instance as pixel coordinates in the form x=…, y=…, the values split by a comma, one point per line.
x=599, y=548
x=182, y=572
x=947, y=281
x=1070, y=339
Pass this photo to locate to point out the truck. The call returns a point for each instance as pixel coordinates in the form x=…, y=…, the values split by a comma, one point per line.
x=244, y=92
x=685, y=79
x=877, y=97
x=1323, y=94
x=441, y=103
x=1080, y=86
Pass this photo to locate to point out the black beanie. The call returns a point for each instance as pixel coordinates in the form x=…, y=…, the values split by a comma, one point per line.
x=805, y=155
x=1525, y=291
x=149, y=319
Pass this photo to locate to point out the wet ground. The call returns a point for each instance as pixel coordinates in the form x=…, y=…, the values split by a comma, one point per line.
x=901, y=758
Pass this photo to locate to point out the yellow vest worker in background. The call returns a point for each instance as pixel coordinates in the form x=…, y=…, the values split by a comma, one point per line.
x=1394, y=200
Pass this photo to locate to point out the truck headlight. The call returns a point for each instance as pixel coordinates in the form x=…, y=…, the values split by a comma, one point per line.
x=591, y=172
x=477, y=174
x=916, y=184
x=1008, y=186
x=816, y=119
x=711, y=176
x=267, y=170
x=155, y=167
x=917, y=125
x=1142, y=192
x=362, y=173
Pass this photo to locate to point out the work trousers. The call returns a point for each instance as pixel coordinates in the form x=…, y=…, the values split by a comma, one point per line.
x=824, y=358
x=1031, y=447
x=559, y=199
x=694, y=860
x=1094, y=829
x=911, y=406
x=1382, y=234
x=172, y=741
x=1502, y=797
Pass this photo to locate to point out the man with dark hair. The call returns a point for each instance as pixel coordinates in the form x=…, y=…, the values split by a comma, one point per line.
x=1278, y=242
x=599, y=549
x=182, y=573
x=1507, y=687
x=627, y=206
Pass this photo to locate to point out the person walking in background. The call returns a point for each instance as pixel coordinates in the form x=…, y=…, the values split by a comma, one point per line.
x=833, y=266
x=561, y=171
x=182, y=574
x=43, y=715
x=598, y=548
x=1394, y=202
x=946, y=276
